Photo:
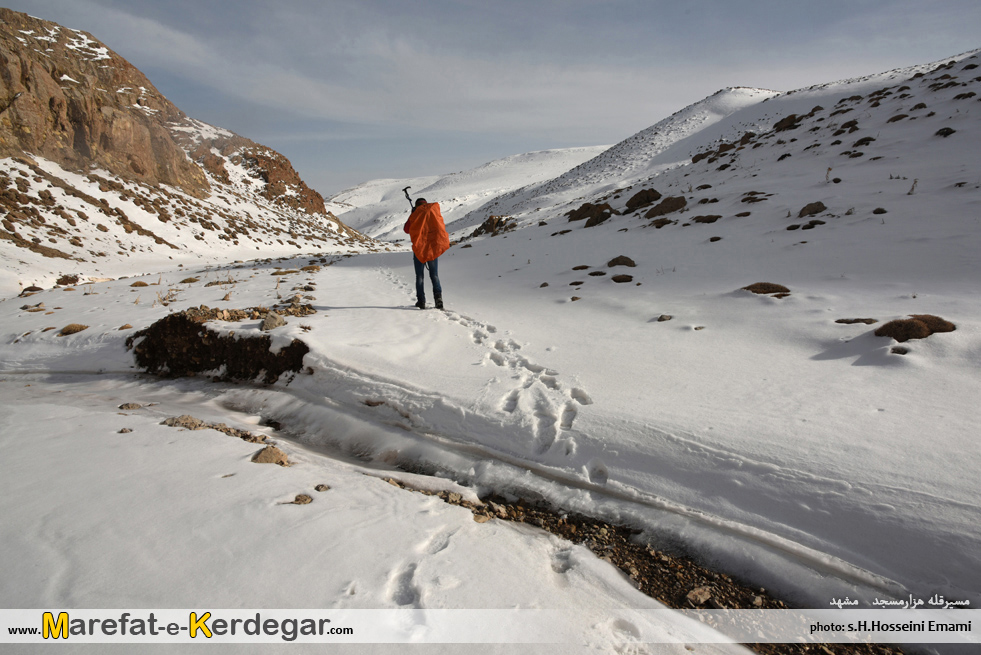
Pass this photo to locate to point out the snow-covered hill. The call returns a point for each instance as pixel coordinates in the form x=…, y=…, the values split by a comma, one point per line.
x=378, y=208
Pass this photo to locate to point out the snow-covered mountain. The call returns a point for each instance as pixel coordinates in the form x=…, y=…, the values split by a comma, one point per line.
x=378, y=208
x=749, y=334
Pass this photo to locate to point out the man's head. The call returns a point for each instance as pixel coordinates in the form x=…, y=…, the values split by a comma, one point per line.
x=420, y=202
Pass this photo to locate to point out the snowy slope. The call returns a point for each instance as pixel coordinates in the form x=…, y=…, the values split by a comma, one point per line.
x=378, y=208
x=756, y=432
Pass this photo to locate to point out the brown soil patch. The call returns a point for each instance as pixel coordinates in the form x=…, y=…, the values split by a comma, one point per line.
x=766, y=287
x=852, y=321
x=622, y=278
x=179, y=345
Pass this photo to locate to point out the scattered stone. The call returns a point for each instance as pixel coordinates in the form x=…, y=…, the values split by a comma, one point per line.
x=481, y=518
x=664, y=317
x=699, y=595
x=944, y=132
x=125, y=431
x=598, y=273
x=581, y=267
x=879, y=210
x=543, y=285
x=302, y=499
x=621, y=260
x=185, y=421
x=271, y=455
x=139, y=283
x=899, y=350
x=812, y=209
x=495, y=225
x=130, y=406
x=699, y=327
x=272, y=321
x=714, y=239
x=620, y=279
x=705, y=219
x=852, y=321
x=322, y=487
x=574, y=299
x=590, y=212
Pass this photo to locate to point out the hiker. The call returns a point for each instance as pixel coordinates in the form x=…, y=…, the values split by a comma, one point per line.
x=429, y=241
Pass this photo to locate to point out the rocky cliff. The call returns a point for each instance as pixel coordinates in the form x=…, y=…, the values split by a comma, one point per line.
x=97, y=166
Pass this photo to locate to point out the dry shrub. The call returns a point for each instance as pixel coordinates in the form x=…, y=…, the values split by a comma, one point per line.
x=767, y=287
x=190, y=280
x=139, y=283
x=72, y=328
x=920, y=326
x=313, y=268
x=67, y=280
x=935, y=323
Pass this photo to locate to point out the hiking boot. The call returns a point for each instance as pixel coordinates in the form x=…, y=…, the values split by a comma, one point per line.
x=421, y=304
x=439, y=302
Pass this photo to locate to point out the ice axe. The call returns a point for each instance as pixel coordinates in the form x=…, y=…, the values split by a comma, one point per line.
x=406, y=192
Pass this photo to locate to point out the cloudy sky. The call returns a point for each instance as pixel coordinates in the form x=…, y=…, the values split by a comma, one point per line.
x=352, y=91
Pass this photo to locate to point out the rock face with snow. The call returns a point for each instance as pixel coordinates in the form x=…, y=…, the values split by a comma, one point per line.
x=80, y=104
x=96, y=166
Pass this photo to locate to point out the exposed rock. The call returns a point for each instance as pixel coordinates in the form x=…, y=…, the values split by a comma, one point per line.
x=125, y=430
x=63, y=116
x=642, y=199
x=812, y=209
x=621, y=260
x=789, y=123
x=495, y=225
x=302, y=499
x=620, y=279
x=272, y=321
x=322, y=487
x=130, y=406
x=879, y=210
x=666, y=206
x=592, y=214
x=852, y=321
x=664, y=317
x=699, y=595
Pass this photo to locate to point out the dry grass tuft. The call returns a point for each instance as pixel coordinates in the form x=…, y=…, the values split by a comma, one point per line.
x=72, y=328
x=138, y=283
x=920, y=326
x=766, y=287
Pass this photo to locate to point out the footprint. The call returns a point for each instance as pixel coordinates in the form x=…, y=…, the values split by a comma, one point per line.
x=597, y=472
x=581, y=397
x=497, y=358
x=402, y=587
x=478, y=337
x=568, y=416
x=511, y=402
x=437, y=543
x=545, y=430
x=562, y=560
x=550, y=382
x=534, y=368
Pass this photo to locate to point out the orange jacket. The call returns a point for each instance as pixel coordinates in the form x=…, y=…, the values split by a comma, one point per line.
x=429, y=237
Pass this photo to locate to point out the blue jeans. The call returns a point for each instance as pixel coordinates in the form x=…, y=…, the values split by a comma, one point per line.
x=433, y=267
